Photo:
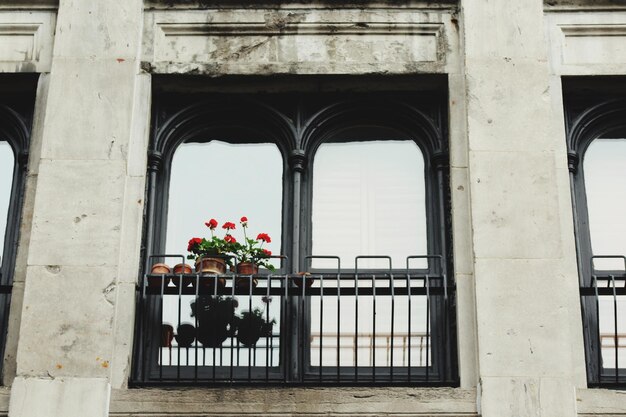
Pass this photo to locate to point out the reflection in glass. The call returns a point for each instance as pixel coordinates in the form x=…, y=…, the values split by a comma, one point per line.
x=605, y=187
x=7, y=161
x=223, y=181
x=369, y=199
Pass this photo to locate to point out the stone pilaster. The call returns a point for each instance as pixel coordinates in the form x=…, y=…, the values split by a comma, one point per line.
x=76, y=324
x=528, y=311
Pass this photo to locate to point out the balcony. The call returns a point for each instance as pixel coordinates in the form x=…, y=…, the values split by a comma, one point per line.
x=604, y=313
x=361, y=327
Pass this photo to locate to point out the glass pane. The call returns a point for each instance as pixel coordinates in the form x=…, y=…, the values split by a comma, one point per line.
x=225, y=182
x=612, y=313
x=369, y=199
x=6, y=181
x=605, y=185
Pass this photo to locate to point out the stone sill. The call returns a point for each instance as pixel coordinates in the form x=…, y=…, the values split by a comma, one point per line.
x=600, y=402
x=274, y=401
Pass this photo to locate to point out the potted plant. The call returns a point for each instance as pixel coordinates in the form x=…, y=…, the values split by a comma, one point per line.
x=251, y=326
x=250, y=256
x=215, y=315
x=211, y=255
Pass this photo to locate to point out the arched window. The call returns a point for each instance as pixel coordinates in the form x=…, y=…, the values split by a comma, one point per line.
x=329, y=178
x=14, y=139
x=597, y=153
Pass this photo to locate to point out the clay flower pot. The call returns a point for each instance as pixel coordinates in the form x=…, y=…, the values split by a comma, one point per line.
x=183, y=269
x=303, y=278
x=211, y=266
x=207, y=265
x=167, y=335
x=159, y=269
x=246, y=268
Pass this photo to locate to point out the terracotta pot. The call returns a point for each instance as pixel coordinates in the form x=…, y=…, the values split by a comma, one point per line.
x=208, y=282
x=167, y=335
x=303, y=277
x=247, y=268
x=184, y=269
x=243, y=283
x=159, y=269
x=211, y=266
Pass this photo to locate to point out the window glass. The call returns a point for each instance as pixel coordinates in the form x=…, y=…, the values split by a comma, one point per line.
x=6, y=179
x=369, y=199
x=605, y=185
x=222, y=181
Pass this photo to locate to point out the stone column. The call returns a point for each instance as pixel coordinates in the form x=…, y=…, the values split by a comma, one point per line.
x=530, y=348
x=83, y=255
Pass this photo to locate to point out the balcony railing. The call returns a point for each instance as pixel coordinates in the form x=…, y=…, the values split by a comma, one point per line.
x=604, y=313
x=354, y=328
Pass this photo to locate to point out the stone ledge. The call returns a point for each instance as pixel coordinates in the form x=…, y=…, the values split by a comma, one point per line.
x=448, y=402
x=601, y=403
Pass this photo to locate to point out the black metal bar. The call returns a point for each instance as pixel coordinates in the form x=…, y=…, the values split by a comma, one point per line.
x=408, y=284
x=195, y=362
x=615, y=334
x=427, y=282
x=599, y=340
x=393, y=313
x=250, y=311
x=321, y=325
x=267, y=335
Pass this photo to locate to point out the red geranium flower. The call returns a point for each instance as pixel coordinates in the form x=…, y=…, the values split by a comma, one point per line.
x=244, y=219
x=264, y=237
x=228, y=226
x=211, y=224
x=194, y=241
x=230, y=239
x=267, y=252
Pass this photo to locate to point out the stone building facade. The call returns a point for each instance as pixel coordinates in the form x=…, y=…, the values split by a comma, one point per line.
x=85, y=77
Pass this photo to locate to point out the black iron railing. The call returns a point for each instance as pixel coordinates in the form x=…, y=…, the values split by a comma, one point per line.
x=604, y=315
x=323, y=328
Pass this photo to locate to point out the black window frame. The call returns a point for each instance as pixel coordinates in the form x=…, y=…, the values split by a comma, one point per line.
x=16, y=115
x=298, y=123
x=592, y=109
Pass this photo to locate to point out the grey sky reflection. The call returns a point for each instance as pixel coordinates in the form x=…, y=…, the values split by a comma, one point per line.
x=369, y=199
x=6, y=180
x=605, y=185
x=224, y=181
